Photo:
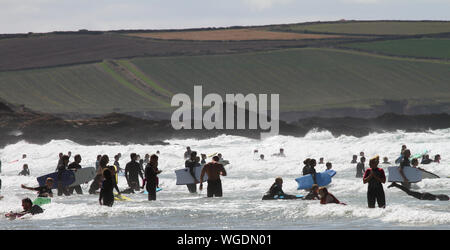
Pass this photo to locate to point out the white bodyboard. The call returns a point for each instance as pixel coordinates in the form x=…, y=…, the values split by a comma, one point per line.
x=412, y=174
x=184, y=176
x=83, y=175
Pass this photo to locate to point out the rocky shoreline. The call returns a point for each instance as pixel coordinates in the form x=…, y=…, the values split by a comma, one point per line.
x=18, y=124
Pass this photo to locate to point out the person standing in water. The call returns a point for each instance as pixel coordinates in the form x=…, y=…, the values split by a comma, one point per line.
x=117, y=164
x=187, y=154
x=61, y=168
x=106, y=196
x=74, y=166
x=214, y=170
x=354, y=159
x=405, y=163
x=191, y=164
x=360, y=168
x=25, y=171
x=376, y=178
x=132, y=173
x=203, y=161
x=151, y=175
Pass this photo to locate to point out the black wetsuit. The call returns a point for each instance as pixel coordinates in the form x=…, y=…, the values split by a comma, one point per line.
x=35, y=209
x=25, y=172
x=106, y=192
x=276, y=191
x=405, y=163
x=310, y=170
x=75, y=166
x=360, y=170
x=117, y=164
x=311, y=196
x=426, y=161
x=191, y=165
x=152, y=180
x=132, y=173
x=421, y=196
x=61, y=189
x=375, y=192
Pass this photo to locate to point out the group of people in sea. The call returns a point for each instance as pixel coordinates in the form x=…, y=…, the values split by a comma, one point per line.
x=105, y=179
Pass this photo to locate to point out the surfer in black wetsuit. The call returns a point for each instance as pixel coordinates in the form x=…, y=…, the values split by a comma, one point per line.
x=106, y=193
x=187, y=154
x=309, y=169
x=360, y=167
x=354, y=159
x=376, y=178
x=132, y=173
x=25, y=171
x=203, y=161
x=44, y=191
x=151, y=175
x=276, y=190
x=405, y=163
x=191, y=164
x=117, y=164
x=306, y=167
x=420, y=196
x=74, y=166
x=60, y=169
x=426, y=160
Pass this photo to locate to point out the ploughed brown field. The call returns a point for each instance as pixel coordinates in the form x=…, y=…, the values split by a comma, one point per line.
x=230, y=35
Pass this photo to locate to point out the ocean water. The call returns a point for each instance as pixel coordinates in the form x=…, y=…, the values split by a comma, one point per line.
x=248, y=179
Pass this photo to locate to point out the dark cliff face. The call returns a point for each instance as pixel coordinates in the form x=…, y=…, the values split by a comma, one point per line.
x=18, y=124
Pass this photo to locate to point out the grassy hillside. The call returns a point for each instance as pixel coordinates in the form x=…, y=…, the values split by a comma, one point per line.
x=306, y=79
x=370, y=27
x=425, y=47
x=91, y=89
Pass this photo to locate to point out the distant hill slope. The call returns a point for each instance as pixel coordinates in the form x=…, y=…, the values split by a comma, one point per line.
x=374, y=28
x=310, y=79
x=366, y=68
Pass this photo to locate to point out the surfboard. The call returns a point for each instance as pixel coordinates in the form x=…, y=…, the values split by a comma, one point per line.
x=83, y=175
x=331, y=172
x=224, y=162
x=42, y=201
x=416, y=156
x=121, y=197
x=157, y=190
x=413, y=174
x=306, y=182
x=184, y=176
x=428, y=175
x=211, y=155
x=117, y=174
x=276, y=197
x=67, y=178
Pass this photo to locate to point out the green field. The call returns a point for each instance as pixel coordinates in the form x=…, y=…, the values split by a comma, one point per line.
x=306, y=79
x=425, y=47
x=91, y=89
x=372, y=28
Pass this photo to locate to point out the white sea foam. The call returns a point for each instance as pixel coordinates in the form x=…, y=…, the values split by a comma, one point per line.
x=248, y=179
